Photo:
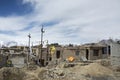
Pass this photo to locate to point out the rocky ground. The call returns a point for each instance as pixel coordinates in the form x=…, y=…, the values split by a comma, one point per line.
x=97, y=70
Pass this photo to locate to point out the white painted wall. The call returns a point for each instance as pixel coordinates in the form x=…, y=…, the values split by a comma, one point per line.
x=115, y=54
x=115, y=49
x=18, y=62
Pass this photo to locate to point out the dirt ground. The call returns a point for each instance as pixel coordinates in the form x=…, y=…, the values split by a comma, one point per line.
x=82, y=71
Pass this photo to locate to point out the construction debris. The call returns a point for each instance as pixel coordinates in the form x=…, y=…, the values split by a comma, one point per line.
x=11, y=74
x=91, y=71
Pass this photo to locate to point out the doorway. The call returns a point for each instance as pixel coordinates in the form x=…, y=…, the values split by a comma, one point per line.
x=42, y=62
x=87, y=54
x=58, y=54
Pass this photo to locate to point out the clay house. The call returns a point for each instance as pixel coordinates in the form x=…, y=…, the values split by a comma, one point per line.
x=4, y=51
x=19, y=49
x=35, y=50
x=45, y=56
x=71, y=51
x=17, y=54
x=40, y=54
x=93, y=51
x=63, y=53
x=107, y=43
x=55, y=53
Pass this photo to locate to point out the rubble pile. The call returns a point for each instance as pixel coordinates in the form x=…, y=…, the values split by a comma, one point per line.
x=92, y=71
x=52, y=74
x=104, y=62
x=11, y=74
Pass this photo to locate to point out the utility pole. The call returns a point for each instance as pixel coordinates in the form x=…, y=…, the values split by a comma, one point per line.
x=42, y=31
x=47, y=53
x=28, y=56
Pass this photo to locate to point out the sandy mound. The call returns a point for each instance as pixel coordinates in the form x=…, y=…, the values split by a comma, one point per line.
x=11, y=74
x=92, y=71
x=95, y=69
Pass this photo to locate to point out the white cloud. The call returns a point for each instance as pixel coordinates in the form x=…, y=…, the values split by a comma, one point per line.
x=77, y=21
x=12, y=23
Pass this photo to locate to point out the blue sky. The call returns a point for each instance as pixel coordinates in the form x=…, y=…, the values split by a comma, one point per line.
x=14, y=7
x=64, y=21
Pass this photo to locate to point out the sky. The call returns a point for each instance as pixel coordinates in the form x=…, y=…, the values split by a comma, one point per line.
x=64, y=21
